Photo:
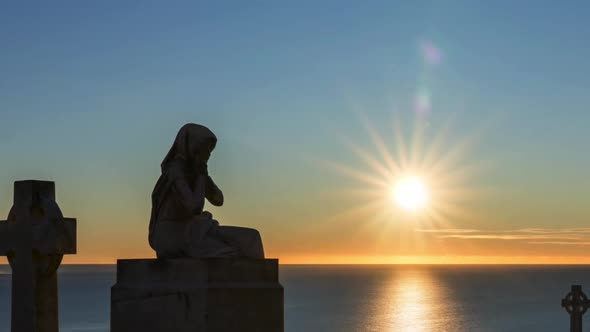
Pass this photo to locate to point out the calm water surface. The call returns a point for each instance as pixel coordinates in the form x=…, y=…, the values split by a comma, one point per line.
x=366, y=298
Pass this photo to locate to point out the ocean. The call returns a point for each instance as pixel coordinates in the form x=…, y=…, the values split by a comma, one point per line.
x=406, y=298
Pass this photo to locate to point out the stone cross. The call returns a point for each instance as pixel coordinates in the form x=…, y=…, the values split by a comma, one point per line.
x=35, y=237
x=575, y=303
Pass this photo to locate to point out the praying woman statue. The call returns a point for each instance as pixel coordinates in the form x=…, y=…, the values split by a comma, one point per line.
x=179, y=226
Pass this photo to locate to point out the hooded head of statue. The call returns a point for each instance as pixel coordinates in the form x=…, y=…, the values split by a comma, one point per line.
x=194, y=143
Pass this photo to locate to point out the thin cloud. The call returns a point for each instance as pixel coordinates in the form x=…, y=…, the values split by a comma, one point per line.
x=512, y=237
x=551, y=236
x=563, y=243
x=552, y=230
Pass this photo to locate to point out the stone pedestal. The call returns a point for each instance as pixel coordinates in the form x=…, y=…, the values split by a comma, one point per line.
x=197, y=295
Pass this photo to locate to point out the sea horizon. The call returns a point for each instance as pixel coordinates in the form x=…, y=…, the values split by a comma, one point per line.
x=367, y=264
x=359, y=298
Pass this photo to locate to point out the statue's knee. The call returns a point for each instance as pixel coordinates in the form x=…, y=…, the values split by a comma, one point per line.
x=255, y=235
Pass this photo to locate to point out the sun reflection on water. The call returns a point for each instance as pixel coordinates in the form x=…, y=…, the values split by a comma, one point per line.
x=413, y=301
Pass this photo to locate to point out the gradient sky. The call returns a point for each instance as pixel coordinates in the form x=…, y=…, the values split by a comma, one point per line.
x=93, y=93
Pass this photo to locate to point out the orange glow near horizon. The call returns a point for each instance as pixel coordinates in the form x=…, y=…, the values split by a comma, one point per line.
x=359, y=222
x=383, y=260
x=435, y=260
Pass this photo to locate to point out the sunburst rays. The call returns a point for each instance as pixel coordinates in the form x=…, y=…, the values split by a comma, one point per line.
x=438, y=158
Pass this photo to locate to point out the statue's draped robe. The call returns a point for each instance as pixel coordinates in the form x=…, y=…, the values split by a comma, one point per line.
x=179, y=227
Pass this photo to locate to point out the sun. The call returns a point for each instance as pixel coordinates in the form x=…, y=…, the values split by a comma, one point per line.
x=410, y=193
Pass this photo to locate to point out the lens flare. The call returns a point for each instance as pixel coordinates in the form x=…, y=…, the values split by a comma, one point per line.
x=422, y=104
x=431, y=53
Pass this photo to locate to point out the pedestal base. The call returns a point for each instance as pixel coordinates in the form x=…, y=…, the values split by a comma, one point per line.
x=197, y=295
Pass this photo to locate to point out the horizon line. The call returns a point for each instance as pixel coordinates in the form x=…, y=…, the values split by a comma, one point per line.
x=374, y=260
x=376, y=264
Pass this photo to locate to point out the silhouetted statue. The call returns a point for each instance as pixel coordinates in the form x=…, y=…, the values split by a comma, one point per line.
x=179, y=227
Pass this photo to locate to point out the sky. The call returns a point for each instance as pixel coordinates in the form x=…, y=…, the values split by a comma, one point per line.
x=319, y=107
